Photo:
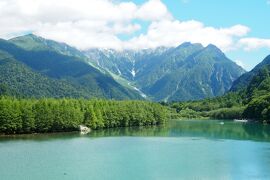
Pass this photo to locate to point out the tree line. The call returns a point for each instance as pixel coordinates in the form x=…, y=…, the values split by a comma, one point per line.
x=56, y=115
x=235, y=105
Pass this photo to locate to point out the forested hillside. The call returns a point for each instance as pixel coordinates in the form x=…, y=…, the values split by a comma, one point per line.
x=243, y=81
x=19, y=80
x=251, y=100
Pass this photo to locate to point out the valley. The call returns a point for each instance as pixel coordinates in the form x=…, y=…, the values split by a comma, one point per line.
x=191, y=80
x=134, y=90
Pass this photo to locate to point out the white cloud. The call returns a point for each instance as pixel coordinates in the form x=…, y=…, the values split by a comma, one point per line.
x=253, y=43
x=240, y=63
x=98, y=23
x=153, y=10
x=81, y=23
x=173, y=33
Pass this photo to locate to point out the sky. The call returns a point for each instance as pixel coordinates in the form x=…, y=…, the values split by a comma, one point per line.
x=240, y=28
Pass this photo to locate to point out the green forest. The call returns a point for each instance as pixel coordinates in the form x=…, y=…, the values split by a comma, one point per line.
x=230, y=106
x=56, y=115
x=252, y=103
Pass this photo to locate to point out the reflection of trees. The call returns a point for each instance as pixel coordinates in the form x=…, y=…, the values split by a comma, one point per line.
x=40, y=137
x=189, y=128
x=257, y=130
x=132, y=131
x=229, y=130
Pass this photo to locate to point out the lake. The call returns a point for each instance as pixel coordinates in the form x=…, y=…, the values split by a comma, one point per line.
x=189, y=149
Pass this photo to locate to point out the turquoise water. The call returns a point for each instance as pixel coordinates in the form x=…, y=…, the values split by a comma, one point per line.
x=181, y=150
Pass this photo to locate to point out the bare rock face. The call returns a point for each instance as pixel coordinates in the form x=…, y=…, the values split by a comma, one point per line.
x=84, y=129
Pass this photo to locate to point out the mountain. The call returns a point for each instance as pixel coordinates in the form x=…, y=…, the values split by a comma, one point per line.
x=187, y=72
x=18, y=79
x=127, y=63
x=60, y=63
x=243, y=81
x=32, y=42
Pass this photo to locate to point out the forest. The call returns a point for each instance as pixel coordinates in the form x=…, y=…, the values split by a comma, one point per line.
x=57, y=115
x=234, y=105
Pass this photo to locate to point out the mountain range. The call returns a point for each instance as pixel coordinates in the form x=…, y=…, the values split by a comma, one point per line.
x=187, y=72
x=36, y=67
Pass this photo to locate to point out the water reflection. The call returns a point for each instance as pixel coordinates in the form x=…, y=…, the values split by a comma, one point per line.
x=213, y=129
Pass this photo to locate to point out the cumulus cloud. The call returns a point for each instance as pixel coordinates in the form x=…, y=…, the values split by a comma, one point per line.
x=254, y=43
x=173, y=33
x=153, y=10
x=99, y=23
x=82, y=23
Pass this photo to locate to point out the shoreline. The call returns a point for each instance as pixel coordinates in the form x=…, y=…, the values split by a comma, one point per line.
x=78, y=131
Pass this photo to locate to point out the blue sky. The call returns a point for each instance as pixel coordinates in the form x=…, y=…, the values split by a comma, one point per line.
x=238, y=27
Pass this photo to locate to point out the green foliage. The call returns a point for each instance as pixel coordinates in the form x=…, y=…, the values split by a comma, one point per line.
x=225, y=107
x=19, y=80
x=10, y=116
x=227, y=113
x=54, y=115
x=259, y=108
x=187, y=113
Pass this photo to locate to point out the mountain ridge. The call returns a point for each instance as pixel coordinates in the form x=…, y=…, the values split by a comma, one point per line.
x=246, y=78
x=186, y=72
x=71, y=69
x=159, y=74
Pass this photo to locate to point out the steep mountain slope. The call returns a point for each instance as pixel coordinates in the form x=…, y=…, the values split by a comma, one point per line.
x=204, y=73
x=21, y=80
x=243, y=81
x=71, y=69
x=187, y=72
x=255, y=83
x=32, y=42
x=126, y=63
x=254, y=86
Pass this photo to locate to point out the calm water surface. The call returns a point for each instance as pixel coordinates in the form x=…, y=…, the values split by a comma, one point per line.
x=181, y=150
